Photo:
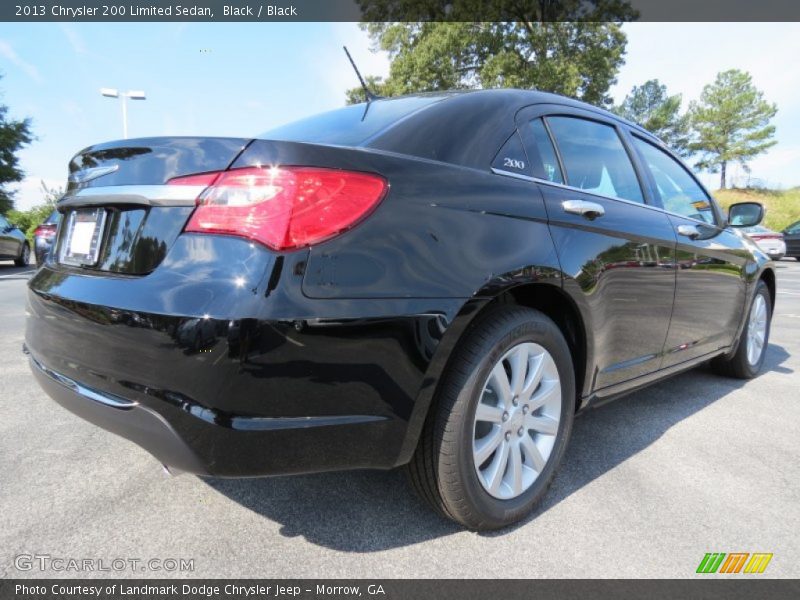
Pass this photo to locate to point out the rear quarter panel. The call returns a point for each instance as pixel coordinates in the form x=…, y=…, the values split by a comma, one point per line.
x=442, y=231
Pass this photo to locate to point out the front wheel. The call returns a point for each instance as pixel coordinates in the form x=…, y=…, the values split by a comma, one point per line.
x=501, y=422
x=752, y=350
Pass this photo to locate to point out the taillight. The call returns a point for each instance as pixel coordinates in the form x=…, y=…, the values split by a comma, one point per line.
x=285, y=208
x=45, y=231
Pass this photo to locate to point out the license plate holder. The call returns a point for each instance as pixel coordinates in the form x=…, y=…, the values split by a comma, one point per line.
x=84, y=236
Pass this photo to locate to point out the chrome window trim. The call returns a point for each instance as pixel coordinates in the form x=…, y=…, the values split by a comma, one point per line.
x=512, y=174
x=604, y=197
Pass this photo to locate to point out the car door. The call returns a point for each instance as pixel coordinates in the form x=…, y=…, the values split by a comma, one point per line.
x=615, y=249
x=710, y=283
x=8, y=243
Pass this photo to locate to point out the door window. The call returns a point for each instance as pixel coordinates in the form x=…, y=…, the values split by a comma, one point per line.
x=594, y=158
x=679, y=192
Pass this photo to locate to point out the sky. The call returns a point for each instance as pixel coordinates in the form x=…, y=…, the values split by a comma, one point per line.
x=239, y=79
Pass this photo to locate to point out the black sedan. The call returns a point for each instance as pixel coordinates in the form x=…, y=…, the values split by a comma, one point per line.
x=791, y=235
x=13, y=243
x=435, y=281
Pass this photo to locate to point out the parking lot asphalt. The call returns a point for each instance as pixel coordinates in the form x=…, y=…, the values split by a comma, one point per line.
x=651, y=483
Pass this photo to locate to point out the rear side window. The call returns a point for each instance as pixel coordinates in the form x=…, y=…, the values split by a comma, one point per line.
x=594, y=158
x=678, y=190
x=512, y=158
x=545, y=161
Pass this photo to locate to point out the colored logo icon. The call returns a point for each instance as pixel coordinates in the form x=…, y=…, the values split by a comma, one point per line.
x=736, y=562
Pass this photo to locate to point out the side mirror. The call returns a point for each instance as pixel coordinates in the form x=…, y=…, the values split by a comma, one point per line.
x=745, y=214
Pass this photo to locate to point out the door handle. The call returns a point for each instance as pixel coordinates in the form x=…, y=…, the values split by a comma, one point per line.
x=689, y=231
x=590, y=210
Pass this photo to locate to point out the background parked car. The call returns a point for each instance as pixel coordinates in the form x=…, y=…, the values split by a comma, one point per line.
x=769, y=241
x=13, y=244
x=44, y=235
x=791, y=235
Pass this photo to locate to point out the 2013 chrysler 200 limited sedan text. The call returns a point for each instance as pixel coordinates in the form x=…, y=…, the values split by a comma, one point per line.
x=437, y=281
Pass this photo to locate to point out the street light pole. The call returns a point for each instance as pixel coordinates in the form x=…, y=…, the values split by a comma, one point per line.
x=124, y=117
x=132, y=94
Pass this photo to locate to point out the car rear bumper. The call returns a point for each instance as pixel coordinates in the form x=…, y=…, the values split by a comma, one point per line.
x=230, y=371
x=776, y=250
x=214, y=446
x=124, y=417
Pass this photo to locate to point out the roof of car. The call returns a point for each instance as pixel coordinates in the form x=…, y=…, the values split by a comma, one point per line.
x=505, y=96
x=460, y=127
x=465, y=127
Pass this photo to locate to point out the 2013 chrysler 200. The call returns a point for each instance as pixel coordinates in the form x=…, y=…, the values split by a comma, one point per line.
x=438, y=281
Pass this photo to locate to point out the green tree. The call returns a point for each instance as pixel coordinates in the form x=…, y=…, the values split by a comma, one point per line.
x=13, y=136
x=650, y=106
x=731, y=122
x=526, y=44
x=29, y=220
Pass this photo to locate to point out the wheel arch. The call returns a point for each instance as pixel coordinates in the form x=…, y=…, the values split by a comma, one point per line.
x=557, y=304
x=768, y=276
x=546, y=296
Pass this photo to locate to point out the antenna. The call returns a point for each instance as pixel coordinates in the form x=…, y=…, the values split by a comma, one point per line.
x=369, y=95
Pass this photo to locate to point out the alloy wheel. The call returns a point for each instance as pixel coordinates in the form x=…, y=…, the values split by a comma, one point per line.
x=516, y=421
x=756, y=330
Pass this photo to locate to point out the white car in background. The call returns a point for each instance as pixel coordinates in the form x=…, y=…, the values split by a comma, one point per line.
x=771, y=242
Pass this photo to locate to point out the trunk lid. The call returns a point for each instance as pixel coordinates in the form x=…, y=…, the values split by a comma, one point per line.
x=120, y=213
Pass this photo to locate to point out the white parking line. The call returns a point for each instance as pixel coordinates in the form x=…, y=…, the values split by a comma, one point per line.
x=17, y=274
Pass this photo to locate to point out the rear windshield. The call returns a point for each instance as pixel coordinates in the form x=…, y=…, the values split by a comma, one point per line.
x=352, y=125
x=53, y=218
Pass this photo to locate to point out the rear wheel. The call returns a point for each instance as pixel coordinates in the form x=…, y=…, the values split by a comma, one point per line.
x=752, y=350
x=24, y=256
x=501, y=422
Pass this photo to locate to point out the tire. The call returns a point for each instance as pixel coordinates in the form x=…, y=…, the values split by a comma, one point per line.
x=740, y=365
x=444, y=469
x=24, y=256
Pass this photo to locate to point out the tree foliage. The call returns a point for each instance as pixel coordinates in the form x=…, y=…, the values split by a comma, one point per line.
x=653, y=108
x=29, y=220
x=731, y=122
x=14, y=134
x=519, y=44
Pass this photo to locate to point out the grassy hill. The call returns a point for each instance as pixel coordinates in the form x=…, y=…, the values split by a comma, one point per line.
x=783, y=206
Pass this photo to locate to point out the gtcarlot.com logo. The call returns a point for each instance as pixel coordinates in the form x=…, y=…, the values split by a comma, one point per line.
x=47, y=562
x=736, y=562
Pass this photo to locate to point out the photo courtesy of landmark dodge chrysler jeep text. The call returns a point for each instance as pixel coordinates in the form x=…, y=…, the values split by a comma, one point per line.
x=437, y=281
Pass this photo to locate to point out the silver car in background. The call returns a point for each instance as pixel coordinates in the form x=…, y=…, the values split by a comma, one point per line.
x=771, y=242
